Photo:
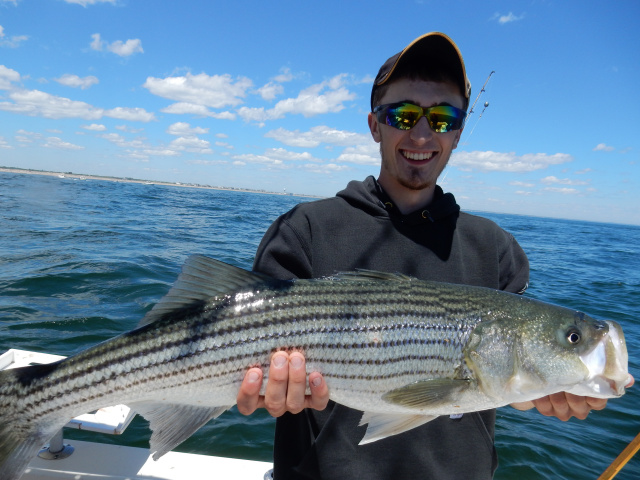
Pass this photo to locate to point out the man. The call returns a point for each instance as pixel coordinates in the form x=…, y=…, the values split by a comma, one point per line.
x=401, y=222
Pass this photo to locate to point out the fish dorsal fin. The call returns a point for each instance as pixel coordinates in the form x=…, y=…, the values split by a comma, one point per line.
x=173, y=424
x=427, y=393
x=203, y=278
x=382, y=425
x=372, y=275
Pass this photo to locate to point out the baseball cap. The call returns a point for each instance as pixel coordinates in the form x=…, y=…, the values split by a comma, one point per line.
x=431, y=48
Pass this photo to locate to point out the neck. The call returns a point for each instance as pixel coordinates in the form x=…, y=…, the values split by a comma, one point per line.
x=407, y=200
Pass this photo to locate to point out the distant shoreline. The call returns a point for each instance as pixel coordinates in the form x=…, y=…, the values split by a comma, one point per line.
x=79, y=176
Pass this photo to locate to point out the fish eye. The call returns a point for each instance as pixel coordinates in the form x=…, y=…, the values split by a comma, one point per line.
x=573, y=336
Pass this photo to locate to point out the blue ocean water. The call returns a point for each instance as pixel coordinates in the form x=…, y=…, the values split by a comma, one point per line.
x=83, y=260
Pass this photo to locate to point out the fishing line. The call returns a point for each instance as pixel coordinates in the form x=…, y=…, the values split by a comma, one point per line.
x=486, y=104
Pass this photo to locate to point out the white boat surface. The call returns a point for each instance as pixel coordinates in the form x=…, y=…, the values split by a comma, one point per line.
x=97, y=461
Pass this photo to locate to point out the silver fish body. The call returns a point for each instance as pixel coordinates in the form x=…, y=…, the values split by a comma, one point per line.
x=402, y=350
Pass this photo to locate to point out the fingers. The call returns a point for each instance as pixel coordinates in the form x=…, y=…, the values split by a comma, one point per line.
x=566, y=405
x=319, y=397
x=523, y=405
x=275, y=396
x=249, y=399
x=286, y=388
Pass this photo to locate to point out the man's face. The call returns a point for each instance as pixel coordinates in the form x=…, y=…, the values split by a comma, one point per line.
x=413, y=159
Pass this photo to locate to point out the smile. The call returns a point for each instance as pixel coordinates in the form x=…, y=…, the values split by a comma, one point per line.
x=417, y=156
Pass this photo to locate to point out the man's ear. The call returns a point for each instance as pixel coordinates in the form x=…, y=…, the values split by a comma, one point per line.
x=457, y=139
x=374, y=127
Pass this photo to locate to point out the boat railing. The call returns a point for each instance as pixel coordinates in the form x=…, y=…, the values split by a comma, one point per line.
x=110, y=420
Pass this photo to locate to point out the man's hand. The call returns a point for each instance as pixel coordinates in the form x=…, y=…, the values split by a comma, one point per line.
x=285, y=390
x=565, y=405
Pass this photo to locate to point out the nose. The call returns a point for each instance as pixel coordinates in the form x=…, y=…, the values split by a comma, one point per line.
x=421, y=132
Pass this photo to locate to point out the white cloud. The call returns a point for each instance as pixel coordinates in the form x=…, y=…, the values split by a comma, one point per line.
x=521, y=184
x=186, y=142
x=508, y=18
x=41, y=104
x=4, y=143
x=94, y=127
x=270, y=91
x=24, y=136
x=288, y=155
x=182, y=128
x=131, y=114
x=285, y=76
x=206, y=162
x=602, y=147
x=97, y=43
x=84, y=3
x=76, y=81
x=216, y=91
x=184, y=108
x=56, y=142
x=119, y=140
x=123, y=49
x=316, y=136
x=127, y=48
x=36, y=103
x=325, y=97
x=190, y=144
x=506, y=162
x=365, y=154
x=551, y=180
x=13, y=41
x=275, y=157
x=563, y=190
x=7, y=76
x=325, y=169
x=161, y=152
x=253, y=158
x=126, y=128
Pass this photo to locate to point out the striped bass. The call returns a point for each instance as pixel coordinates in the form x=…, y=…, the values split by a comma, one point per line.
x=401, y=350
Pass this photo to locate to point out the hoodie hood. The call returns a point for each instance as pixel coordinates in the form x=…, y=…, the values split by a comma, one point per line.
x=371, y=198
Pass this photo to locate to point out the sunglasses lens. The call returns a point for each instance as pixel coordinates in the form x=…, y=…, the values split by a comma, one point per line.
x=404, y=116
x=443, y=119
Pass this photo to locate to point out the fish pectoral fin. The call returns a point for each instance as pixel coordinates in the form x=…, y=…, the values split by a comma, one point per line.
x=172, y=424
x=382, y=425
x=426, y=393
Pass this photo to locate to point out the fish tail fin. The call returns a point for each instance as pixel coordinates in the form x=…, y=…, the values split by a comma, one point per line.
x=21, y=437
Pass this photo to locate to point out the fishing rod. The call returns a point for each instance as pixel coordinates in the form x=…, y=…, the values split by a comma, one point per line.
x=480, y=93
x=621, y=460
x=486, y=104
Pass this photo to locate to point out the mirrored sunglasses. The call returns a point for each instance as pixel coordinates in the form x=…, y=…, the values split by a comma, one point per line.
x=404, y=116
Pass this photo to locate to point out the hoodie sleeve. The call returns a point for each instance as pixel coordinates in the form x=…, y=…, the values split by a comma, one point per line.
x=514, y=267
x=284, y=251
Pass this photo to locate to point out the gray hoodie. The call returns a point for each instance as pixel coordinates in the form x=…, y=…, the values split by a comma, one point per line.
x=360, y=228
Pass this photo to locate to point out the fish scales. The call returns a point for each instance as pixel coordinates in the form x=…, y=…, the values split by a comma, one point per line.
x=386, y=344
x=393, y=326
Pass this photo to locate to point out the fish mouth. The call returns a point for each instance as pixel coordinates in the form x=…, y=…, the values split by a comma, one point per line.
x=607, y=364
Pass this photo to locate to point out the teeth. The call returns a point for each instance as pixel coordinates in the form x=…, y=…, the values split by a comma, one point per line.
x=417, y=156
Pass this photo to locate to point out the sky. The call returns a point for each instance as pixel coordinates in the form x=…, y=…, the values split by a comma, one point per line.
x=275, y=95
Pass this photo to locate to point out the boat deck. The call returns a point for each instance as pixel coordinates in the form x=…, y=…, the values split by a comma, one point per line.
x=97, y=461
